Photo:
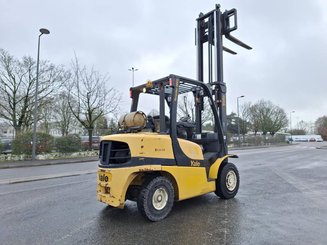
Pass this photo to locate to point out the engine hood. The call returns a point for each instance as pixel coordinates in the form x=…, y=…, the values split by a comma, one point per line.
x=149, y=145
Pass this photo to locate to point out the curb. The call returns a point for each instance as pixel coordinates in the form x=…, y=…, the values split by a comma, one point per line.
x=258, y=147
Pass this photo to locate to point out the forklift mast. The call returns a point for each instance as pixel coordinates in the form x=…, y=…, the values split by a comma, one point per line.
x=211, y=28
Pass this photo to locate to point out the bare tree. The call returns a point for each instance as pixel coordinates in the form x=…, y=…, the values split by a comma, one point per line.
x=232, y=123
x=46, y=114
x=90, y=98
x=278, y=120
x=267, y=117
x=249, y=113
x=321, y=126
x=303, y=126
x=101, y=126
x=186, y=109
x=62, y=114
x=245, y=124
x=17, y=88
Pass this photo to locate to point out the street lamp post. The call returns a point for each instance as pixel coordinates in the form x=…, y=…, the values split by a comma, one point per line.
x=238, y=120
x=42, y=31
x=291, y=124
x=133, y=70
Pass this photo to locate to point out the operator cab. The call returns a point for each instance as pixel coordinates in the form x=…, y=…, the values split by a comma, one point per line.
x=182, y=108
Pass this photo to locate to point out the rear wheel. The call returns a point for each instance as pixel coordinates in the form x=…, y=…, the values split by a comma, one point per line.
x=156, y=198
x=228, y=182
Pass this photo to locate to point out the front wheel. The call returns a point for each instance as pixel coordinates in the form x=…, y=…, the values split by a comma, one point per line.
x=228, y=181
x=156, y=198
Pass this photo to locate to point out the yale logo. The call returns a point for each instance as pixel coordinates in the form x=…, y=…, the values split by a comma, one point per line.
x=103, y=177
x=195, y=163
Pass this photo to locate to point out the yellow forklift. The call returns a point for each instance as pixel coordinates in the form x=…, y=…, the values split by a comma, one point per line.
x=178, y=150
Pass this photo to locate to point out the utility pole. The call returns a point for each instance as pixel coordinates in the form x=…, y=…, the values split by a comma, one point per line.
x=291, y=124
x=238, y=120
x=133, y=70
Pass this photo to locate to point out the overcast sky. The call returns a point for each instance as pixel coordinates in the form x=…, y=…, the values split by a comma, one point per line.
x=288, y=63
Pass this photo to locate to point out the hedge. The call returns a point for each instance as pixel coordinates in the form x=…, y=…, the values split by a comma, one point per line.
x=69, y=143
x=22, y=144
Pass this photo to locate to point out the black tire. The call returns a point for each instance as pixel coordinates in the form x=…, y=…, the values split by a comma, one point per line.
x=226, y=187
x=156, y=198
x=133, y=192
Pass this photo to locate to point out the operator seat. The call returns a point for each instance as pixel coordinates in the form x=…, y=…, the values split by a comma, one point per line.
x=156, y=120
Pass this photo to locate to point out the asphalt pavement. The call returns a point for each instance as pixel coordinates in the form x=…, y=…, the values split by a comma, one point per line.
x=33, y=163
x=13, y=172
x=282, y=200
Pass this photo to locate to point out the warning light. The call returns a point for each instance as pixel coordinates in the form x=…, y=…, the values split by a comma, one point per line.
x=170, y=82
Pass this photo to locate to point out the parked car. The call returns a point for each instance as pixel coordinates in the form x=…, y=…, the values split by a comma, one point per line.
x=95, y=142
x=6, y=145
x=319, y=139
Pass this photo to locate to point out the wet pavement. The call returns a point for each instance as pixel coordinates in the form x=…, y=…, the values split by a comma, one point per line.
x=282, y=200
x=19, y=175
x=36, y=163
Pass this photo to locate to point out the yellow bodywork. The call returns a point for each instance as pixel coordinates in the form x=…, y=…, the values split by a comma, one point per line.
x=191, y=149
x=189, y=181
x=154, y=145
x=112, y=190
